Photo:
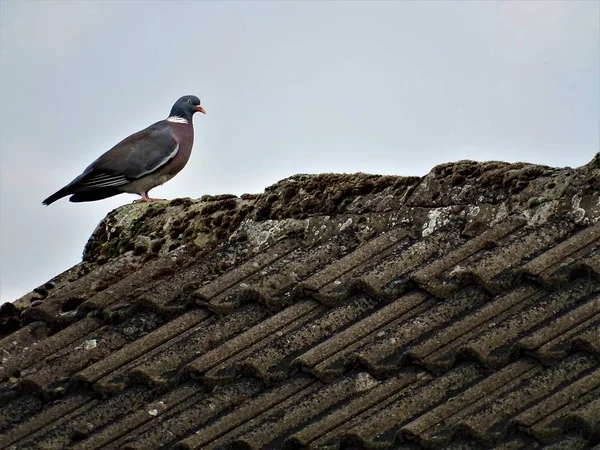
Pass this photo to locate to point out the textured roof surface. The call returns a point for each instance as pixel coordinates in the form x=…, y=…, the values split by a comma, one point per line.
x=460, y=310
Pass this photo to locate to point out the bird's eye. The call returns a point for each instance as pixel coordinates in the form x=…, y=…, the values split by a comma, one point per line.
x=189, y=101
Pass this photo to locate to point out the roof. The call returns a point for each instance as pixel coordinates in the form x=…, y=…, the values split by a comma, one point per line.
x=459, y=310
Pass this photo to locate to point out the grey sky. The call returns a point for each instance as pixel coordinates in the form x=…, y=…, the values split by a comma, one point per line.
x=289, y=87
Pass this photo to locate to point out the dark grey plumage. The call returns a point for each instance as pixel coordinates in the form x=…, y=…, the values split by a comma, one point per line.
x=139, y=162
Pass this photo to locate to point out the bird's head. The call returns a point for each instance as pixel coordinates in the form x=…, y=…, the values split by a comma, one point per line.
x=186, y=106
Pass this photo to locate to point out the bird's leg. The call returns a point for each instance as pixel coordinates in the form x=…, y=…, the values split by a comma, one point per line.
x=145, y=198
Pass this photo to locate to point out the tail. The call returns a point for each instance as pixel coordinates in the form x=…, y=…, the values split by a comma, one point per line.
x=86, y=196
x=56, y=196
x=91, y=196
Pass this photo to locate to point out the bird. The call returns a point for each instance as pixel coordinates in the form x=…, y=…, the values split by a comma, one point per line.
x=140, y=162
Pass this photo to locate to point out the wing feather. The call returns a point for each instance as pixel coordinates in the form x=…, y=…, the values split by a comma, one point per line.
x=101, y=180
x=160, y=163
x=140, y=154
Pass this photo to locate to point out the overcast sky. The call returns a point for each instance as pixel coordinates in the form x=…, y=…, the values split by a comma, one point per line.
x=289, y=87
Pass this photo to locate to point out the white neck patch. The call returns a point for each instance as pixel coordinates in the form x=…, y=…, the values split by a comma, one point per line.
x=176, y=119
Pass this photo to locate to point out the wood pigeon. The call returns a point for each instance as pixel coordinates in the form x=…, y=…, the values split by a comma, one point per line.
x=141, y=161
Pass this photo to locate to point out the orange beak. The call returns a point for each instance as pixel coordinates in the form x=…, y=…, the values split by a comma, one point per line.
x=200, y=109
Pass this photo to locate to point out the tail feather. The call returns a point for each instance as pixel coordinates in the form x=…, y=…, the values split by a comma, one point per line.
x=56, y=196
x=86, y=196
x=91, y=196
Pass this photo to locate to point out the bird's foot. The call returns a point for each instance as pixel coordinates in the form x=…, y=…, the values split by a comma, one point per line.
x=147, y=199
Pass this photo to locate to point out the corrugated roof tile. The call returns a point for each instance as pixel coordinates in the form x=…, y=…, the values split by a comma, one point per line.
x=156, y=366
x=180, y=418
x=586, y=418
x=569, y=442
x=300, y=269
x=39, y=350
x=52, y=375
x=438, y=352
x=546, y=264
x=327, y=359
x=123, y=292
x=120, y=426
x=520, y=442
x=496, y=345
x=432, y=276
x=588, y=339
x=489, y=421
x=272, y=287
x=272, y=358
x=27, y=433
x=332, y=426
x=145, y=344
x=591, y=262
x=362, y=254
x=546, y=420
x=382, y=427
x=236, y=275
x=60, y=305
x=512, y=251
x=259, y=433
x=212, y=364
x=560, y=324
x=436, y=427
x=20, y=341
x=168, y=360
x=225, y=425
x=389, y=275
x=14, y=411
x=385, y=352
x=562, y=345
